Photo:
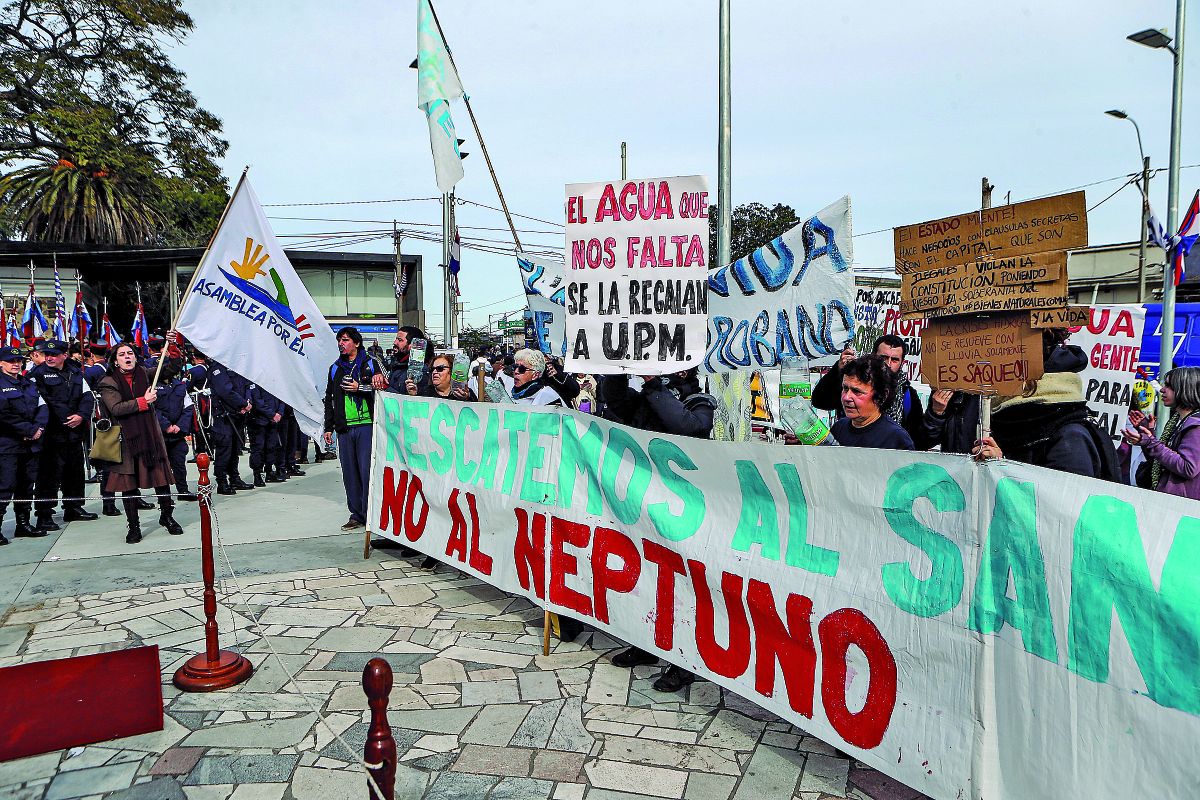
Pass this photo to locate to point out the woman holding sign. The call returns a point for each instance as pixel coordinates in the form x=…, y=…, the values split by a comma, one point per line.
x=1172, y=463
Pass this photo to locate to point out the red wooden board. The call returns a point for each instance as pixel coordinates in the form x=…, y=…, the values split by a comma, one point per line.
x=67, y=702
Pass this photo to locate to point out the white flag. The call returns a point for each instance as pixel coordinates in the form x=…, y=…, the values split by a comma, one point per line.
x=437, y=85
x=247, y=308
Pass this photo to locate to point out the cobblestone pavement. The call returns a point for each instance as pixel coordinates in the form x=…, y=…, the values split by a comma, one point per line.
x=476, y=710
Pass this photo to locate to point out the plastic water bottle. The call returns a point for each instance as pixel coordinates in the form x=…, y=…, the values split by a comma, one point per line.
x=795, y=378
x=795, y=404
x=805, y=425
x=416, y=360
x=461, y=371
x=496, y=392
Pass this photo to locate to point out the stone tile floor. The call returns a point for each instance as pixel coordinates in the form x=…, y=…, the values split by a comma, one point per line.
x=476, y=709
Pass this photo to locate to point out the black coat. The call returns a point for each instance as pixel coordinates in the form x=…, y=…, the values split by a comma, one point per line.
x=655, y=407
x=956, y=430
x=63, y=391
x=22, y=413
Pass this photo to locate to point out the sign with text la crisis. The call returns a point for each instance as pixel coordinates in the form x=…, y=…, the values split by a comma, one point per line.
x=637, y=259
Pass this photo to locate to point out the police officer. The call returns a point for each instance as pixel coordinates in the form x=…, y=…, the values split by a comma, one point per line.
x=155, y=344
x=23, y=419
x=241, y=385
x=37, y=356
x=227, y=406
x=61, y=464
x=175, y=418
x=197, y=383
x=264, y=423
x=289, y=437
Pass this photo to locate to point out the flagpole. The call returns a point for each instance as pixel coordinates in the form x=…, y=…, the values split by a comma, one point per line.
x=479, y=135
x=199, y=266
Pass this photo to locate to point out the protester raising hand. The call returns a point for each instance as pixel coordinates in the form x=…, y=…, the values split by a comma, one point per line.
x=939, y=401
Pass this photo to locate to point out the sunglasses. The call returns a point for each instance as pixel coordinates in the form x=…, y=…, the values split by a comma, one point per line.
x=521, y=370
x=442, y=368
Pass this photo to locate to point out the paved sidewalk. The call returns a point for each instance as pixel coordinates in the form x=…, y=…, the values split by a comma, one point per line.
x=476, y=710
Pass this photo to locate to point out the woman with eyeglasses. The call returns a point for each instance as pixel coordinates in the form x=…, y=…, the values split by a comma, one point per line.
x=440, y=384
x=528, y=383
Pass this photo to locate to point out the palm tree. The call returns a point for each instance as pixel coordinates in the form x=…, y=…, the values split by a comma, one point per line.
x=62, y=201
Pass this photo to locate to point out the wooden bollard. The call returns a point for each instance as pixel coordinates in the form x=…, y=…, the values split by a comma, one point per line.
x=215, y=668
x=380, y=750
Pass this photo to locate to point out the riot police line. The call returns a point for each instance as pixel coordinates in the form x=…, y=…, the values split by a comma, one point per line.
x=52, y=407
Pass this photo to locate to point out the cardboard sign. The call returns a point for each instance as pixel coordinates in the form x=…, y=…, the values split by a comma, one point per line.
x=1014, y=283
x=1035, y=226
x=1069, y=317
x=636, y=272
x=993, y=355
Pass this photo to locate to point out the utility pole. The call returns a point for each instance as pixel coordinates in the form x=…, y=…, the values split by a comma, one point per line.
x=624, y=171
x=399, y=274
x=1167, y=340
x=448, y=294
x=985, y=401
x=1145, y=216
x=724, y=129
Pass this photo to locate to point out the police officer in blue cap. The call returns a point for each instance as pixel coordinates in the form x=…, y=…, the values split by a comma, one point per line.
x=175, y=418
x=23, y=420
x=61, y=465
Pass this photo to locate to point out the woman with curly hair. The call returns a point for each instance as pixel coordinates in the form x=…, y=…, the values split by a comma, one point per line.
x=868, y=387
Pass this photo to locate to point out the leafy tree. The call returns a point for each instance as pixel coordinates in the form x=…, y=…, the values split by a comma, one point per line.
x=96, y=122
x=752, y=226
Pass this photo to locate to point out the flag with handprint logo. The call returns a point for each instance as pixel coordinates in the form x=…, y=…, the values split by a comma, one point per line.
x=247, y=309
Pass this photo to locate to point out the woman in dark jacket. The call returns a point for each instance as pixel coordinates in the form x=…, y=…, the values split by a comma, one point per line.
x=440, y=384
x=128, y=400
x=1049, y=425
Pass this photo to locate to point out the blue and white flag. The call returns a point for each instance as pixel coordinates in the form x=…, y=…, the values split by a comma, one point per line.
x=437, y=85
x=1156, y=234
x=108, y=332
x=80, y=326
x=60, y=309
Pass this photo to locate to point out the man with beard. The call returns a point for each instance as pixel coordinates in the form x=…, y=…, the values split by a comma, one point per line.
x=904, y=409
x=397, y=370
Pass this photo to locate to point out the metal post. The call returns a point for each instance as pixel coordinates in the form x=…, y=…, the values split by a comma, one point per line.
x=624, y=171
x=448, y=300
x=1167, y=350
x=985, y=401
x=1141, y=295
x=724, y=129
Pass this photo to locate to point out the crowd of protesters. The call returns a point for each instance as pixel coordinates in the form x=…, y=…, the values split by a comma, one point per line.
x=875, y=407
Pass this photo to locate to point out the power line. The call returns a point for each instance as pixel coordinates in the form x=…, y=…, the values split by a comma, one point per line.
x=353, y=202
x=522, y=216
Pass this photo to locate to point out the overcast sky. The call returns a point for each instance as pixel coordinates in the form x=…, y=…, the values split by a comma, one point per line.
x=903, y=106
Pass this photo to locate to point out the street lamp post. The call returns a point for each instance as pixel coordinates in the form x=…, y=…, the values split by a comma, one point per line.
x=1158, y=40
x=1120, y=114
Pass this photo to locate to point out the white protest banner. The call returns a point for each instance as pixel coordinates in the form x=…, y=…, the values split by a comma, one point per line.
x=637, y=257
x=1112, y=341
x=247, y=308
x=948, y=623
x=877, y=313
x=792, y=296
x=545, y=293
